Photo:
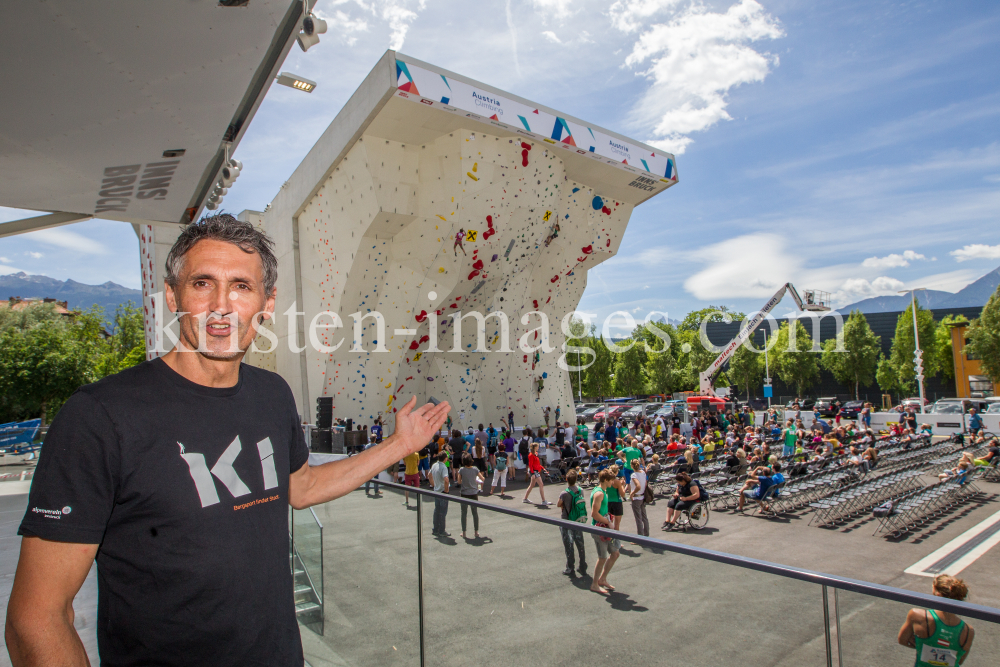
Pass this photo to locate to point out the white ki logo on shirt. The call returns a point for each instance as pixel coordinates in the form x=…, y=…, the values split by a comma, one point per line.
x=223, y=471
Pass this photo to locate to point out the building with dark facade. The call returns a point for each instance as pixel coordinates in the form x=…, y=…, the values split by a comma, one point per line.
x=882, y=324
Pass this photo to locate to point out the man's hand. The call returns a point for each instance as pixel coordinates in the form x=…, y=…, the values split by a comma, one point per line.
x=312, y=485
x=415, y=427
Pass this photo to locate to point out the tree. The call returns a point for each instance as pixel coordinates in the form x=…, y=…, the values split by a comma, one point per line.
x=660, y=362
x=692, y=321
x=858, y=363
x=746, y=368
x=942, y=339
x=597, y=378
x=886, y=376
x=796, y=365
x=901, y=355
x=629, y=378
x=984, y=338
x=41, y=367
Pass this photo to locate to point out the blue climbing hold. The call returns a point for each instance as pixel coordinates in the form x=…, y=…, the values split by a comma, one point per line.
x=545, y=375
x=598, y=203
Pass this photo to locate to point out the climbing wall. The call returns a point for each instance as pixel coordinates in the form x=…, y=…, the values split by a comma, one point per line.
x=379, y=236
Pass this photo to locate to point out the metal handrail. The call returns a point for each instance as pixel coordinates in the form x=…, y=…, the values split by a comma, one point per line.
x=967, y=609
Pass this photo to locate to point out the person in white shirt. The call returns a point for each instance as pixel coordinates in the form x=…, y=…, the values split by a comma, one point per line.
x=637, y=494
x=439, y=477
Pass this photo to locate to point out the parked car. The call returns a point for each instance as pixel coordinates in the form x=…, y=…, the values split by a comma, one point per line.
x=994, y=408
x=957, y=406
x=651, y=408
x=614, y=412
x=588, y=414
x=825, y=406
x=851, y=409
x=583, y=407
x=633, y=413
x=804, y=404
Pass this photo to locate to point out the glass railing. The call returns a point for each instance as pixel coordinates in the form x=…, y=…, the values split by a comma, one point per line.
x=400, y=593
x=306, y=555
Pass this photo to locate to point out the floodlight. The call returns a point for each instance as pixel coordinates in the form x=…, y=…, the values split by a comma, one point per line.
x=295, y=81
x=312, y=27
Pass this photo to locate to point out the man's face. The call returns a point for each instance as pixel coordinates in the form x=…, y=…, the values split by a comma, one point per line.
x=218, y=283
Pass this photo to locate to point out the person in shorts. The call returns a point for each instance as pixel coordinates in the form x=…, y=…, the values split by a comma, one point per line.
x=607, y=548
x=500, y=472
x=411, y=473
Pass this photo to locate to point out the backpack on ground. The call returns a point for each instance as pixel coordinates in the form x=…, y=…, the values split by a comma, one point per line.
x=577, y=507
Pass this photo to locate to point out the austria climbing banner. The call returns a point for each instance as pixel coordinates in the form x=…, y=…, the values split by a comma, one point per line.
x=434, y=89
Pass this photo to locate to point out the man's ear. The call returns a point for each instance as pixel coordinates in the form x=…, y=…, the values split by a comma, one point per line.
x=171, y=297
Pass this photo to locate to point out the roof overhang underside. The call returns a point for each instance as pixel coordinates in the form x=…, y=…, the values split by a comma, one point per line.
x=385, y=107
x=109, y=89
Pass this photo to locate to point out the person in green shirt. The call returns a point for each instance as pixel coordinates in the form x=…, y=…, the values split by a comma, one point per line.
x=607, y=548
x=630, y=452
x=582, y=431
x=940, y=637
x=791, y=436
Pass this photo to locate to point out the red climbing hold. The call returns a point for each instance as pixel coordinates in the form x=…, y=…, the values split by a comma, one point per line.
x=607, y=211
x=473, y=275
x=478, y=264
x=587, y=249
x=524, y=160
x=608, y=244
x=549, y=299
x=422, y=316
x=424, y=338
x=414, y=345
x=489, y=221
x=525, y=358
x=525, y=145
x=554, y=278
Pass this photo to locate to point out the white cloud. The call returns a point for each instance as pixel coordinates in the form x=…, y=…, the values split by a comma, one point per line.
x=893, y=260
x=4, y=260
x=976, y=251
x=398, y=14
x=696, y=56
x=860, y=288
x=345, y=26
x=7, y=269
x=557, y=8
x=64, y=238
x=552, y=37
x=750, y=266
x=34, y=255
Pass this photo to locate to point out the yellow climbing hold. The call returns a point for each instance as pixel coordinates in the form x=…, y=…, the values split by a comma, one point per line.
x=475, y=166
x=440, y=269
x=444, y=218
x=470, y=175
x=389, y=386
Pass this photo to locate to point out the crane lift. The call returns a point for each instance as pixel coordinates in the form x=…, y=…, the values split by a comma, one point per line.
x=815, y=301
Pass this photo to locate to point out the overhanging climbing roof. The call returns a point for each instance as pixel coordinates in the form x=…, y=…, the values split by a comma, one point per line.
x=102, y=88
x=404, y=99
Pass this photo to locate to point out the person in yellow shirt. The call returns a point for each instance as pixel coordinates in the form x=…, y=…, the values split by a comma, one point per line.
x=411, y=475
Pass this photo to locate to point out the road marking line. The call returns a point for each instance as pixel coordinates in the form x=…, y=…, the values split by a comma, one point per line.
x=961, y=552
x=15, y=488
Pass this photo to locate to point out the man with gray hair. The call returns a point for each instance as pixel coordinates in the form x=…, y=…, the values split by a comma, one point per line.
x=175, y=475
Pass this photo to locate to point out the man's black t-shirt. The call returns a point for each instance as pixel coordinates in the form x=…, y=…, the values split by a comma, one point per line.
x=185, y=489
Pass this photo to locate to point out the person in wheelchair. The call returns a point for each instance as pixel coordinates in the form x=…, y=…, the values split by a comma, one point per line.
x=689, y=493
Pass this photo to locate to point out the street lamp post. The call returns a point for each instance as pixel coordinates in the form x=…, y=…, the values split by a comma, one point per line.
x=918, y=354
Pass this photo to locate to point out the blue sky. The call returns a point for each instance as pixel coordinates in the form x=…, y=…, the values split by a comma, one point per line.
x=845, y=146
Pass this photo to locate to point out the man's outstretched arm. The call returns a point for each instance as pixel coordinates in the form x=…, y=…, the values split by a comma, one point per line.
x=39, y=627
x=312, y=485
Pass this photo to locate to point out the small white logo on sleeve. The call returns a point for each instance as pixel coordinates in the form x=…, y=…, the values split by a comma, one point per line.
x=52, y=514
x=67, y=509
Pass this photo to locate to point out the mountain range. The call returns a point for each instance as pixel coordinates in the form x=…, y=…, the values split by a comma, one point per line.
x=77, y=295
x=974, y=294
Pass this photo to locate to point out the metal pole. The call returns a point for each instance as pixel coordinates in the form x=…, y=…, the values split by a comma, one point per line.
x=826, y=628
x=767, y=368
x=420, y=576
x=916, y=345
x=836, y=616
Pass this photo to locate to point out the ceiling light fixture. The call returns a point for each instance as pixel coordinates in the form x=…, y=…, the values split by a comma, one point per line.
x=295, y=81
